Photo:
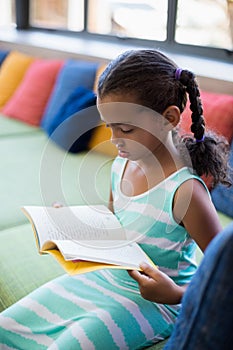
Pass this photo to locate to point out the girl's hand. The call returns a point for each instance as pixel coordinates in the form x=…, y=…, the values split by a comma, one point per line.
x=156, y=286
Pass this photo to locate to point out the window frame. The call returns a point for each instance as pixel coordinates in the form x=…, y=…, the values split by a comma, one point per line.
x=23, y=22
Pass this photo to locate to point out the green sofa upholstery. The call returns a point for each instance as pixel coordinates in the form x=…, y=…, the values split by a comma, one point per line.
x=35, y=171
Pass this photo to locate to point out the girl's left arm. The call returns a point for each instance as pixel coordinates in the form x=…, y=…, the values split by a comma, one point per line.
x=194, y=209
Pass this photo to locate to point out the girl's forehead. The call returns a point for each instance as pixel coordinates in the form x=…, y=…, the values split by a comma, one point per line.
x=126, y=113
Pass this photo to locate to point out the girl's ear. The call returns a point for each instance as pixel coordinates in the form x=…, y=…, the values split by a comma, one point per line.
x=172, y=115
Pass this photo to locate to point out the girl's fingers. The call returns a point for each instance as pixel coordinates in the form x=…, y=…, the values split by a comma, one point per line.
x=57, y=205
x=136, y=275
x=149, y=270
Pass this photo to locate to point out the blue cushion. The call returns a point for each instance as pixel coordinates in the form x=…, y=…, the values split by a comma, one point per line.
x=72, y=75
x=222, y=196
x=3, y=54
x=73, y=125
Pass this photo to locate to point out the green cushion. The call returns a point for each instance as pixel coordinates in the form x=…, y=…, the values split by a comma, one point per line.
x=158, y=346
x=12, y=127
x=22, y=268
x=224, y=219
x=36, y=172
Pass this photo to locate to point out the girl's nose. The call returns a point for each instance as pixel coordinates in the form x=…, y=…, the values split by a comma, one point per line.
x=114, y=137
x=117, y=141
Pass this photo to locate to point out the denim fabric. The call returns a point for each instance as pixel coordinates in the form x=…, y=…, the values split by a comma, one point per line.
x=206, y=318
x=222, y=196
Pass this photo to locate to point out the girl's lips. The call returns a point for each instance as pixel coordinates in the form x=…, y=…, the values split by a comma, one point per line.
x=123, y=154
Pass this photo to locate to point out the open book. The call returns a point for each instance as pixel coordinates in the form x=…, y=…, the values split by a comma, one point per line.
x=84, y=238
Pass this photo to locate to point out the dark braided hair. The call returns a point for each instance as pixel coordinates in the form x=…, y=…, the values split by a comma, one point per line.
x=151, y=77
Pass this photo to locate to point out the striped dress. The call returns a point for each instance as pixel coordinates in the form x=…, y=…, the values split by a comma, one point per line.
x=104, y=309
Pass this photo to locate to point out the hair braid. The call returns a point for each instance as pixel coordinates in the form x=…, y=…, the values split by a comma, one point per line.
x=198, y=123
x=208, y=151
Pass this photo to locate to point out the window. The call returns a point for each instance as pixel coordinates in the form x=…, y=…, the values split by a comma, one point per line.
x=203, y=27
x=132, y=19
x=7, y=13
x=57, y=14
x=204, y=23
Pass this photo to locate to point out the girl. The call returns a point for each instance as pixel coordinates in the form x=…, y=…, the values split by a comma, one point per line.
x=159, y=200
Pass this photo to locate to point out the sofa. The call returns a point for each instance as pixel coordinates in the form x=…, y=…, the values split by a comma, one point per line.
x=39, y=166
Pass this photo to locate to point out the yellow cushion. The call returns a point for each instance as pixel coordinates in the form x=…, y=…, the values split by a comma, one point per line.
x=100, y=141
x=99, y=71
x=11, y=73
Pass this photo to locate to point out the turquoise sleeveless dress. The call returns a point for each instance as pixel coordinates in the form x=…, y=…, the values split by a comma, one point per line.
x=104, y=309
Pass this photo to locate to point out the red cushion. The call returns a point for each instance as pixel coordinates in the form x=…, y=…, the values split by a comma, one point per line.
x=218, y=114
x=30, y=99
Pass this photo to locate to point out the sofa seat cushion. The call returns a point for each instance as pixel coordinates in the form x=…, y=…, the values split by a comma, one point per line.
x=37, y=172
x=158, y=346
x=19, y=279
x=224, y=219
x=10, y=127
x=20, y=168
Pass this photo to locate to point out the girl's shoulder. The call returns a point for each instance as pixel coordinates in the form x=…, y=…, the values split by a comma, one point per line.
x=185, y=174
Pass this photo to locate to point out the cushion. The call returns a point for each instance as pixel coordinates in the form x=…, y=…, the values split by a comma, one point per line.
x=100, y=141
x=10, y=127
x=72, y=126
x=35, y=171
x=72, y=75
x=30, y=98
x=19, y=279
x=12, y=72
x=3, y=54
x=99, y=71
x=222, y=196
x=218, y=113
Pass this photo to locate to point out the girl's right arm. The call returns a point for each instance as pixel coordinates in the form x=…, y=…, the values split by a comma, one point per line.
x=156, y=286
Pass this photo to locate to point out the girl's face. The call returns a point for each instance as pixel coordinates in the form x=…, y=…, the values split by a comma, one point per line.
x=137, y=131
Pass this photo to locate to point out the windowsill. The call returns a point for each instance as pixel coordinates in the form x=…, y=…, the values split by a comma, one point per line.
x=105, y=50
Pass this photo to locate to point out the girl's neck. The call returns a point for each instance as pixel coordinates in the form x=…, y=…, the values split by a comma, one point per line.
x=141, y=175
x=165, y=156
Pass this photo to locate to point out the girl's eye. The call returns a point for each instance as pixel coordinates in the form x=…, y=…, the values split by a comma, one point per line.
x=122, y=129
x=126, y=131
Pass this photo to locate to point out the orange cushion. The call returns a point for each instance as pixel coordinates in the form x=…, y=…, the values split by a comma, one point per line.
x=99, y=71
x=12, y=72
x=218, y=114
x=29, y=100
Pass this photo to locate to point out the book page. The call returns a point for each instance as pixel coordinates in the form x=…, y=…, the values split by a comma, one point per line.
x=121, y=253
x=74, y=223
